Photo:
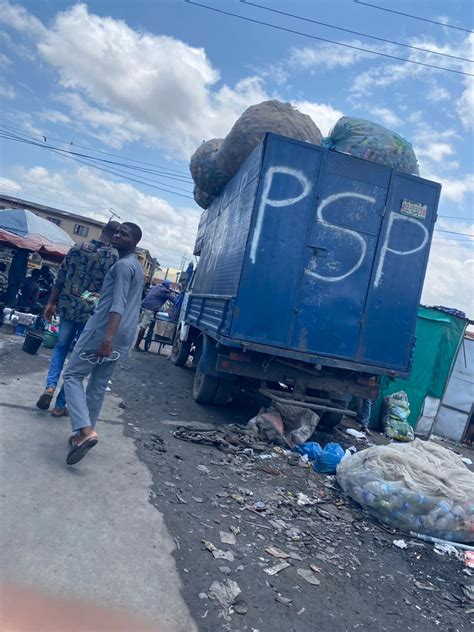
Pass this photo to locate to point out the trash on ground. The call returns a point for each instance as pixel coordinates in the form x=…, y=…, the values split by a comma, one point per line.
x=226, y=593
x=308, y=576
x=329, y=459
x=357, y=434
x=275, y=552
x=240, y=606
x=400, y=544
x=466, y=461
x=469, y=559
x=395, y=418
x=445, y=549
x=419, y=487
x=227, y=538
x=274, y=570
x=325, y=460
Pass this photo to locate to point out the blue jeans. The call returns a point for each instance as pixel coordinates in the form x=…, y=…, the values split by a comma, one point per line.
x=365, y=413
x=69, y=330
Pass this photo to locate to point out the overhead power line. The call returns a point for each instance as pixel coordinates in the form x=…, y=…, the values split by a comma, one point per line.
x=340, y=28
x=414, y=17
x=323, y=39
x=99, y=151
x=117, y=172
x=452, y=232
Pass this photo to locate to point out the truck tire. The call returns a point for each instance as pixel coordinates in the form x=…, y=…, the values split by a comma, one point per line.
x=225, y=392
x=204, y=387
x=180, y=351
x=329, y=420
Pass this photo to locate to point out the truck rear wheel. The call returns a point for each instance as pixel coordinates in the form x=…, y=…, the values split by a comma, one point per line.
x=224, y=393
x=329, y=420
x=180, y=351
x=204, y=387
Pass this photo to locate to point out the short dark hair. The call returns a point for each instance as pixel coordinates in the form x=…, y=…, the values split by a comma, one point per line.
x=44, y=269
x=135, y=230
x=35, y=274
x=110, y=227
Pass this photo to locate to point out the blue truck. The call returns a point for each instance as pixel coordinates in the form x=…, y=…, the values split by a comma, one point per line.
x=311, y=266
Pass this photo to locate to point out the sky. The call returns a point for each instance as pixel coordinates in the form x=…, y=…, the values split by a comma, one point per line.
x=139, y=84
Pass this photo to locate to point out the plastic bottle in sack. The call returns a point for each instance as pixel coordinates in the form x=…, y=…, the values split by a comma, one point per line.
x=367, y=498
x=380, y=489
x=419, y=503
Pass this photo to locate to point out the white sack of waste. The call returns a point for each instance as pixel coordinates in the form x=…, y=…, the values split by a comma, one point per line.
x=419, y=487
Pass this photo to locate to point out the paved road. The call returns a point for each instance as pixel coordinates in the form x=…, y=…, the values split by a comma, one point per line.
x=85, y=532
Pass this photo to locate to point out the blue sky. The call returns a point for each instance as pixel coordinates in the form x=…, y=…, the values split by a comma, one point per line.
x=150, y=79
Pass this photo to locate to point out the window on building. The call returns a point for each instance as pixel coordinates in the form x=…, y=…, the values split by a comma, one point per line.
x=54, y=220
x=81, y=230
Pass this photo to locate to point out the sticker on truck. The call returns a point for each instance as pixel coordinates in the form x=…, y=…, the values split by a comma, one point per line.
x=414, y=209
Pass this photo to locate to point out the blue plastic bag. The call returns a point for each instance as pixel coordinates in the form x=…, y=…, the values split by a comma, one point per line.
x=311, y=449
x=327, y=461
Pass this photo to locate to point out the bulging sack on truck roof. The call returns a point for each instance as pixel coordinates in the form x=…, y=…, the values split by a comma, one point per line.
x=420, y=487
x=216, y=161
x=373, y=142
x=203, y=199
x=251, y=127
x=205, y=168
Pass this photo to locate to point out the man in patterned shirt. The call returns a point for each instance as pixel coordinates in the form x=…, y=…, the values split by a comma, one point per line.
x=83, y=269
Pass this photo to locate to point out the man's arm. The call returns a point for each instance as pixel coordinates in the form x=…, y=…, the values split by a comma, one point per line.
x=123, y=276
x=105, y=346
x=58, y=284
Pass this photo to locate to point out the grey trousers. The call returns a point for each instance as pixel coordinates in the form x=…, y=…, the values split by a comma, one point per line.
x=84, y=405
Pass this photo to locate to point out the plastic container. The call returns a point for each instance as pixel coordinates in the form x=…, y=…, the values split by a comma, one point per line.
x=20, y=330
x=50, y=339
x=32, y=342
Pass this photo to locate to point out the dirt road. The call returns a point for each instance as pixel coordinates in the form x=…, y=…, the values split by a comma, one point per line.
x=338, y=571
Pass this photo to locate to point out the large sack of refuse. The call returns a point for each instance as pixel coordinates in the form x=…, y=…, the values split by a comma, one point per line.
x=252, y=125
x=205, y=168
x=216, y=161
x=420, y=487
x=374, y=142
x=395, y=418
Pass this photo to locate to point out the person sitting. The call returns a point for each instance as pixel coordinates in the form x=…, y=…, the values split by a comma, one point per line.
x=152, y=303
x=29, y=293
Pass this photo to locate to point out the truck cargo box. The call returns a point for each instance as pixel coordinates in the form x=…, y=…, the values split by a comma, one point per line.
x=317, y=256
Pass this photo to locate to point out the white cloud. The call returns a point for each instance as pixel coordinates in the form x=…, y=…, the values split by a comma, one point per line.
x=385, y=115
x=126, y=85
x=326, y=56
x=437, y=93
x=455, y=189
x=465, y=105
x=449, y=278
x=7, y=92
x=435, y=151
x=17, y=17
x=54, y=116
x=323, y=115
x=9, y=187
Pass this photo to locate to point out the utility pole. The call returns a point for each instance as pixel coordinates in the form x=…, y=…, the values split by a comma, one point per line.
x=113, y=214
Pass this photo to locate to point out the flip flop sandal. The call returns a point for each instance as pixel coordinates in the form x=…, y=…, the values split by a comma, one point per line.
x=44, y=401
x=78, y=452
x=59, y=412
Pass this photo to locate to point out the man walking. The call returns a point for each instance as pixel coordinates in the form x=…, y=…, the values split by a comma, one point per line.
x=83, y=269
x=152, y=303
x=107, y=336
